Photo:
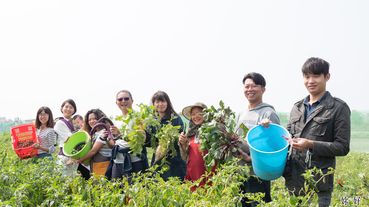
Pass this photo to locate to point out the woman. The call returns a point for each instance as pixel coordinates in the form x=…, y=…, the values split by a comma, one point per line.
x=166, y=114
x=123, y=163
x=45, y=132
x=64, y=126
x=100, y=153
x=190, y=144
x=64, y=129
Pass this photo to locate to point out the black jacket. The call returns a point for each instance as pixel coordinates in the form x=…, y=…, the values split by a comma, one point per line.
x=177, y=166
x=329, y=126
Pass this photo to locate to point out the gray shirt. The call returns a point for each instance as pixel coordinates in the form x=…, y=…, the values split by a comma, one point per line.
x=252, y=118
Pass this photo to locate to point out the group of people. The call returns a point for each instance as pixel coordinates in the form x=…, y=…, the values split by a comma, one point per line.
x=319, y=125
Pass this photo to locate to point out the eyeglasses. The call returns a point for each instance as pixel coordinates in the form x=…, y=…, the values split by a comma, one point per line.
x=123, y=98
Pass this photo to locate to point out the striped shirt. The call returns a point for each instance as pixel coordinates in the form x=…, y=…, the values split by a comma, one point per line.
x=105, y=150
x=47, y=139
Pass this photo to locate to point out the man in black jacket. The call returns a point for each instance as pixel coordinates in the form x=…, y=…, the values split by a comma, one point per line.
x=320, y=127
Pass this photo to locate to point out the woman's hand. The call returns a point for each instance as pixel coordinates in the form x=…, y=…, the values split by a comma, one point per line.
x=183, y=146
x=36, y=145
x=182, y=140
x=67, y=139
x=71, y=161
x=105, y=134
x=114, y=130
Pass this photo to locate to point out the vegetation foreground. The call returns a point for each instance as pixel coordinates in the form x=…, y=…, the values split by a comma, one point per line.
x=34, y=182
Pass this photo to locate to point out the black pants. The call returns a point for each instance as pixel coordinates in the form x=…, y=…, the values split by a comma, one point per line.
x=117, y=169
x=84, y=172
x=255, y=185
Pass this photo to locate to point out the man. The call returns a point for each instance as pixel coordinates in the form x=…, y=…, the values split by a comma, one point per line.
x=124, y=101
x=78, y=122
x=122, y=165
x=320, y=128
x=256, y=113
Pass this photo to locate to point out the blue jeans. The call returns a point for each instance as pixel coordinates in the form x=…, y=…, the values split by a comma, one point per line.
x=43, y=155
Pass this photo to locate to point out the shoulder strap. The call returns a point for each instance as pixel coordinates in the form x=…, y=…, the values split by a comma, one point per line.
x=68, y=123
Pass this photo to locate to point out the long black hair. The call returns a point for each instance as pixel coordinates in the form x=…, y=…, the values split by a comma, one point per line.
x=162, y=96
x=98, y=113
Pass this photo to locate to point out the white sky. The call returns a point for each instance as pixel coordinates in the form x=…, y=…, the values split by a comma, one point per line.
x=194, y=50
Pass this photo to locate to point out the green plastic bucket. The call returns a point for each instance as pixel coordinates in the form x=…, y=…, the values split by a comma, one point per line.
x=77, y=145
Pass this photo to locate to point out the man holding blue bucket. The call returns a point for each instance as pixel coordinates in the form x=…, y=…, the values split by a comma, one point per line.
x=320, y=128
x=256, y=113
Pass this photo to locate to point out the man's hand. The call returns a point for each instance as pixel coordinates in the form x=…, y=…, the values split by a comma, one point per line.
x=302, y=144
x=243, y=155
x=265, y=122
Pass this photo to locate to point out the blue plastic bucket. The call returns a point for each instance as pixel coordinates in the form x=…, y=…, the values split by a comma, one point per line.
x=268, y=149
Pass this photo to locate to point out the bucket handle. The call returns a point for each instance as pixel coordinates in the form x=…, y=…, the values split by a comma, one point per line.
x=100, y=123
x=290, y=142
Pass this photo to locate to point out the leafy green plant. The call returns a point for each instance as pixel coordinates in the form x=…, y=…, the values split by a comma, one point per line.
x=167, y=137
x=135, y=124
x=218, y=135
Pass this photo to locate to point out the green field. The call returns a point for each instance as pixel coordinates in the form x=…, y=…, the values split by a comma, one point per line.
x=39, y=183
x=359, y=145
x=359, y=138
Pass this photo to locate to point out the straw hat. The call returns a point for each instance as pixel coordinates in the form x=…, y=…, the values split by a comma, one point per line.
x=186, y=112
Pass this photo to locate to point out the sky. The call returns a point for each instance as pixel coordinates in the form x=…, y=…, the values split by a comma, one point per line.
x=192, y=49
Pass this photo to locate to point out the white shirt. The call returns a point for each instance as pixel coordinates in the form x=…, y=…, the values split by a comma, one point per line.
x=63, y=132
